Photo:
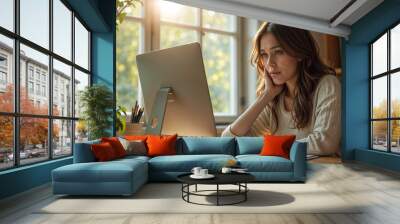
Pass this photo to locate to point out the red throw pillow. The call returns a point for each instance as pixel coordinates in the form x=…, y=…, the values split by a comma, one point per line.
x=116, y=145
x=103, y=152
x=161, y=145
x=277, y=145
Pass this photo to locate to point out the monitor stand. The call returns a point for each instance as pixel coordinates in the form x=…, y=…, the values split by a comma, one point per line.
x=156, y=119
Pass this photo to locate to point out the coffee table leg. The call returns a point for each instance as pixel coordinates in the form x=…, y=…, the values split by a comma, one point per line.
x=217, y=194
x=182, y=190
x=245, y=193
x=188, y=189
x=196, y=188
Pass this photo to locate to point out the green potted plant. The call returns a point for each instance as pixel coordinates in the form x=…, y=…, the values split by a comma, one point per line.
x=96, y=102
x=120, y=123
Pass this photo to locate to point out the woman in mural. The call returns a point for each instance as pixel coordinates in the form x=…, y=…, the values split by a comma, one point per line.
x=297, y=93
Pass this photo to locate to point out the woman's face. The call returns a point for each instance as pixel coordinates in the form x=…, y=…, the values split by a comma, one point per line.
x=279, y=64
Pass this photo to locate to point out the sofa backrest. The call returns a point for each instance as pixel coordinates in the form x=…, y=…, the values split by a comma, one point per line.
x=190, y=146
x=249, y=145
x=206, y=145
x=83, y=152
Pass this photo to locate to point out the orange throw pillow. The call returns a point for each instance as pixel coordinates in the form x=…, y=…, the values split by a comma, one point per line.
x=103, y=152
x=161, y=145
x=277, y=145
x=116, y=145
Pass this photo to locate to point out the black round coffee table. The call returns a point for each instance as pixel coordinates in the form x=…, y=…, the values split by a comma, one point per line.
x=238, y=179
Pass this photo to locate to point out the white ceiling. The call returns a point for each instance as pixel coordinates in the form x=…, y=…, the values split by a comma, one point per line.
x=320, y=9
x=315, y=15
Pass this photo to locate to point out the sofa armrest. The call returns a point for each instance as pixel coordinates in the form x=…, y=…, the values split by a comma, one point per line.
x=83, y=152
x=298, y=154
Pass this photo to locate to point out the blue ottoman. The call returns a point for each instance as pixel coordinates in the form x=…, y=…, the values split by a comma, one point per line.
x=118, y=177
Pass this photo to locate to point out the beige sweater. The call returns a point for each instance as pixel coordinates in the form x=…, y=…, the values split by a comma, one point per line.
x=323, y=133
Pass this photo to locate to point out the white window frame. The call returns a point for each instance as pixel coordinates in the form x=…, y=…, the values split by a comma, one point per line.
x=3, y=70
x=6, y=61
x=3, y=77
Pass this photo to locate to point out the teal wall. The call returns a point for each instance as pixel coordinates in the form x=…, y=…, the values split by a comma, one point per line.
x=99, y=15
x=355, y=83
x=103, y=53
x=24, y=178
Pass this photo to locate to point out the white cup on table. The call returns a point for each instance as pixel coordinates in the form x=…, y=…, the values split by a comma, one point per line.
x=196, y=170
x=203, y=172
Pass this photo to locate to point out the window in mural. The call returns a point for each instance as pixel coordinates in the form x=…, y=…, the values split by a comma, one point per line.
x=385, y=94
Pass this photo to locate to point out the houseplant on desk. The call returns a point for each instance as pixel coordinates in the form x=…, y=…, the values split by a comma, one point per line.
x=120, y=121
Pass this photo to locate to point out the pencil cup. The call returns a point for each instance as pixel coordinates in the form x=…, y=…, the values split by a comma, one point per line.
x=135, y=129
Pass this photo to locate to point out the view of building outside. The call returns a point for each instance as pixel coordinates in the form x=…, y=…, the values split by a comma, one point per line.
x=379, y=93
x=34, y=115
x=179, y=24
x=34, y=99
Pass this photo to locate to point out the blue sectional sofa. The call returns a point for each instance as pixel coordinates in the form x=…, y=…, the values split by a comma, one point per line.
x=125, y=176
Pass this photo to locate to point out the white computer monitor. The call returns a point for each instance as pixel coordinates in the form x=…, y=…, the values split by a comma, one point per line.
x=189, y=111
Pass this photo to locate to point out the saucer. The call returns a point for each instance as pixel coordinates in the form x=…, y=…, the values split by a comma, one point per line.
x=240, y=171
x=208, y=176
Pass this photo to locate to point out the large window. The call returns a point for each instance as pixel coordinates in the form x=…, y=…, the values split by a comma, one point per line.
x=385, y=94
x=217, y=33
x=130, y=42
x=169, y=24
x=40, y=80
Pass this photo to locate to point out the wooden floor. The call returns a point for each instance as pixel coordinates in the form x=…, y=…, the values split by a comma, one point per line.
x=378, y=189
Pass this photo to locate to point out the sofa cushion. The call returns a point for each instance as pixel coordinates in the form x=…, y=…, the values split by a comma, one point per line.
x=134, y=147
x=116, y=145
x=103, y=152
x=277, y=145
x=249, y=145
x=185, y=163
x=161, y=145
x=112, y=171
x=257, y=163
x=207, y=145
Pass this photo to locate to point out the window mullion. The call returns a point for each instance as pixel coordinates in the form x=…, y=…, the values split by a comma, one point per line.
x=237, y=73
x=16, y=84
x=200, y=26
x=145, y=40
x=50, y=82
x=223, y=32
x=389, y=113
x=155, y=24
x=73, y=81
x=371, y=99
x=147, y=25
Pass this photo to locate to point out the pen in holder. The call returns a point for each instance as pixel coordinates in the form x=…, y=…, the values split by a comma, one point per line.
x=133, y=125
x=137, y=113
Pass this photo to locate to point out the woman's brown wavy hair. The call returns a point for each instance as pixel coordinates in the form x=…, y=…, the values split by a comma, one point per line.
x=300, y=44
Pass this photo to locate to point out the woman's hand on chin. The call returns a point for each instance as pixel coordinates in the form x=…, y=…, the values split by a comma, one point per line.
x=271, y=89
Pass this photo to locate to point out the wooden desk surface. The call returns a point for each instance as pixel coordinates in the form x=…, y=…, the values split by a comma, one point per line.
x=326, y=160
